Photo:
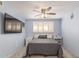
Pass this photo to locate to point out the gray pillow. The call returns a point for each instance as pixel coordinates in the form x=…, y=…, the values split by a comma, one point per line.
x=42, y=37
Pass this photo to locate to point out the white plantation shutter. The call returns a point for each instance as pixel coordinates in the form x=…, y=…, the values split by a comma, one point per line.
x=43, y=26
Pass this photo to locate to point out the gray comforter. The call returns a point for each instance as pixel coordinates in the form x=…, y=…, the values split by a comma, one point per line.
x=44, y=47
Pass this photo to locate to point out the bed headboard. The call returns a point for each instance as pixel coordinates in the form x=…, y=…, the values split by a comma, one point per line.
x=49, y=35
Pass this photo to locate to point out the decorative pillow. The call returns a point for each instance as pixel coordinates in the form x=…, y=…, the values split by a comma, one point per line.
x=35, y=36
x=50, y=36
x=42, y=37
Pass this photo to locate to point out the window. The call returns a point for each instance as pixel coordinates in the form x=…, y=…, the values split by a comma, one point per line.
x=43, y=26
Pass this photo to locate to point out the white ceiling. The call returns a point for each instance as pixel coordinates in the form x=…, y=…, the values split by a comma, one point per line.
x=25, y=8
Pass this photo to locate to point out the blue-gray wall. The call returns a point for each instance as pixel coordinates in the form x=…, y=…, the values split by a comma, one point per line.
x=10, y=43
x=29, y=26
x=70, y=31
x=1, y=23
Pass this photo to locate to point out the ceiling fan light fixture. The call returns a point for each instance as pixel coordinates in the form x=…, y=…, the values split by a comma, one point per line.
x=44, y=12
x=44, y=15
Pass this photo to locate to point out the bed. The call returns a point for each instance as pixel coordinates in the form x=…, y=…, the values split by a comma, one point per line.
x=44, y=46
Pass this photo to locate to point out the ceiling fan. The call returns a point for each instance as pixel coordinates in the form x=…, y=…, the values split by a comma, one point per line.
x=44, y=12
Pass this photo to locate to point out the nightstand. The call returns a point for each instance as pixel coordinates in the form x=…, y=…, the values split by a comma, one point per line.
x=59, y=39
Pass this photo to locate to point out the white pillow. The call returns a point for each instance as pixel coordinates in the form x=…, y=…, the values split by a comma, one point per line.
x=50, y=36
x=35, y=36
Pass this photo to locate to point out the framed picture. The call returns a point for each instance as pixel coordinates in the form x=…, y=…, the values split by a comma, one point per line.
x=12, y=25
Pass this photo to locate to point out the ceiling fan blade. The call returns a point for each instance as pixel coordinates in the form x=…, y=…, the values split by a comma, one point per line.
x=36, y=10
x=38, y=15
x=51, y=13
x=49, y=8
